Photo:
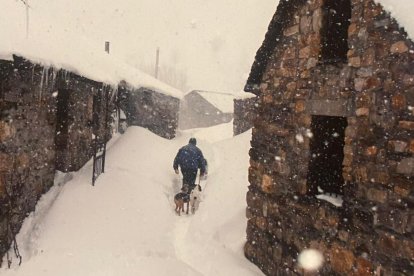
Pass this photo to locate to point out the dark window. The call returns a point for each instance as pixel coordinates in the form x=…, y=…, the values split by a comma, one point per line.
x=327, y=154
x=62, y=112
x=146, y=98
x=336, y=20
x=97, y=108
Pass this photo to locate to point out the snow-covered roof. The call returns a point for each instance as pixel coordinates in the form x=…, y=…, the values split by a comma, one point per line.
x=244, y=95
x=222, y=101
x=92, y=65
x=401, y=10
x=62, y=49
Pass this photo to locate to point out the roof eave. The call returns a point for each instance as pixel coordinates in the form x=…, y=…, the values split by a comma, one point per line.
x=281, y=19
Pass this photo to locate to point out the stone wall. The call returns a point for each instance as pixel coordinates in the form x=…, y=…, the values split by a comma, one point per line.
x=372, y=232
x=82, y=116
x=152, y=110
x=27, y=150
x=244, y=114
x=50, y=120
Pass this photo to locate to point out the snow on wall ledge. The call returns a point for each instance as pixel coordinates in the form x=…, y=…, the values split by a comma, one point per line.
x=244, y=95
x=401, y=10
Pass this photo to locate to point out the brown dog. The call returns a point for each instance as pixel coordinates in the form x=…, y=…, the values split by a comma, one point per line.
x=180, y=199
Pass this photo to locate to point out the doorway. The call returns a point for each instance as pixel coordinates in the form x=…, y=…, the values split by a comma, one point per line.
x=326, y=155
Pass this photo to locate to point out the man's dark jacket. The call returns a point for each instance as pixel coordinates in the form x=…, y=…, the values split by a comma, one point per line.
x=190, y=158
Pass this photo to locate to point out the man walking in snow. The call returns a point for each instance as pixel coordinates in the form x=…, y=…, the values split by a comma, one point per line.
x=190, y=158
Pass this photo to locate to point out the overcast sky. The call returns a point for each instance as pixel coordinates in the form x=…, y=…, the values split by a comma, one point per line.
x=213, y=41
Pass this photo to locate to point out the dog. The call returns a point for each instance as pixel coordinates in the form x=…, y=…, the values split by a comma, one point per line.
x=180, y=199
x=195, y=198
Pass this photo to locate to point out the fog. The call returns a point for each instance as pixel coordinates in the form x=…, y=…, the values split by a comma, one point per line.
x=209, y=44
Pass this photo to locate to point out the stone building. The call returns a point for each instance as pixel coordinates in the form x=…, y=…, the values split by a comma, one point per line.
x=27, y=141
x=244, y=113
x=55, y=120
x=83, y=114
x=205, y=109
x=155, y=111
x=335, y=80
x=49, y=120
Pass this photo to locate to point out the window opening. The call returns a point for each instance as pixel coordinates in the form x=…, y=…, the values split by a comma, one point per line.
x=334, y=33
x=97, y=107
x=326, y=155
x=62, y=117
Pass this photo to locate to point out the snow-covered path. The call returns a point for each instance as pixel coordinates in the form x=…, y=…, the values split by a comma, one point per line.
x=126, y=224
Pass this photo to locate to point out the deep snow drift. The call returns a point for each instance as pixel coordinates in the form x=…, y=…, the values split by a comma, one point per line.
x=126, y=224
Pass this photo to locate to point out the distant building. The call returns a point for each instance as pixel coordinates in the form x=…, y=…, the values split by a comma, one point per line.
x=155, y=111
x=205, y=109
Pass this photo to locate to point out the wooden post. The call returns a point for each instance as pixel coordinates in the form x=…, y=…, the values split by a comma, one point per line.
x=106, y=129
x=94, y=161
x=107, y=46
x=27, y=18
x=118, y=110
x=157, y=60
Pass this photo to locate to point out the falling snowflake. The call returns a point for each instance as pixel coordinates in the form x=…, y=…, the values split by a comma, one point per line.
x=310, y=259
x=309, y=133
x=193, y=24
x=299, y=138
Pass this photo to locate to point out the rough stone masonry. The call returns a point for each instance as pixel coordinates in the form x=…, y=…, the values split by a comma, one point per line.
x=370, y=91
x=51, y=120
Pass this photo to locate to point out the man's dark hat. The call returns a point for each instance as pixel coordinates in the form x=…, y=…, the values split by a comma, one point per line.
x=193, y=141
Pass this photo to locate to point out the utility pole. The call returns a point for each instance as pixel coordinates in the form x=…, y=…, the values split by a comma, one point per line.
x=27, y=18
x=157, y=60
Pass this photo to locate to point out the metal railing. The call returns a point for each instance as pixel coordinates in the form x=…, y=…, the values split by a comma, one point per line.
x=98, y=160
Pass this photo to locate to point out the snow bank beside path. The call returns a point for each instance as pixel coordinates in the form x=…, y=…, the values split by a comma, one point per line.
x=211, y=134
x=126, y=224
x=214, y=240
